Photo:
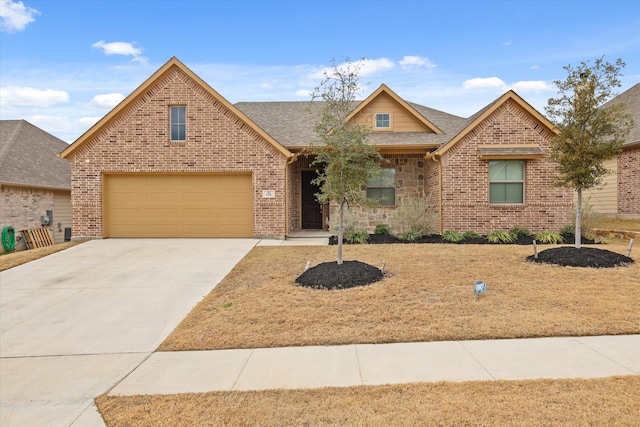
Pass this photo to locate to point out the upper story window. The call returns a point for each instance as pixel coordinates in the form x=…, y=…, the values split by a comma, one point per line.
x=506, y=181
x=382, y=188
x=383, y=121
x=178, y=123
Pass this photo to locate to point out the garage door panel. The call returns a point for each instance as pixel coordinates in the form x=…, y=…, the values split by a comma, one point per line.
x=178, y=206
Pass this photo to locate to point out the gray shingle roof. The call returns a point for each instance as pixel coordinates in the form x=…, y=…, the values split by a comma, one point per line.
x=29, y=157
x=631, y=99
x=291, y=124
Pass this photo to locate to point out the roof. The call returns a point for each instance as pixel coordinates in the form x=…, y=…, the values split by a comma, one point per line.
x=292, y=123
x=631, y=99
x=507, y=151
x=147, y=84
x=29, y=157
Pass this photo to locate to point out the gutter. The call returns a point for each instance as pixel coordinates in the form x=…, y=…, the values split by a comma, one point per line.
x=436, y=158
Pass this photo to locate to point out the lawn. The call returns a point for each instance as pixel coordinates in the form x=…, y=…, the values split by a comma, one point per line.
x=597, y=402
x=12, y=259
x=426, y=295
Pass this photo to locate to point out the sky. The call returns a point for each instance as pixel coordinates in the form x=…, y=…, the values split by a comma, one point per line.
x=65, y=64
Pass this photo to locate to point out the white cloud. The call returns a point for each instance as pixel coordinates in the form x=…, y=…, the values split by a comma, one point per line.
x=88, y=121
x=416, y=62
x=106, y=100
x=484, y=83
x=29, y=96
x=372, y=66
x=303, y=93
x=534, y=67
x=121, y=48
x=15, y=16
x=531, y=86
x=506, y=43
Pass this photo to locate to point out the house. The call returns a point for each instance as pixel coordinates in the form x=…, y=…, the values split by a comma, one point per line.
x=34, y=182
x=175, y=158
x=620, y=193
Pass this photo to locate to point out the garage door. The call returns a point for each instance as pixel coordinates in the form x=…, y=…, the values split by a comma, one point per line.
x=146, y=205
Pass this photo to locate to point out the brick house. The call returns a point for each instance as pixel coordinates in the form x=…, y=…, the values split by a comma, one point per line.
x=33, y=179
x=620, y=193
x=177, y=159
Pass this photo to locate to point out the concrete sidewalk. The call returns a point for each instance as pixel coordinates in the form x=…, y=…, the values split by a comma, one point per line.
x=375, y=364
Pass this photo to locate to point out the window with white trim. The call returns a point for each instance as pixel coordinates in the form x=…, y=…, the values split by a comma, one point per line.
x=506, y=181
x=383, y=121
x=382, y=188
x=178, y=123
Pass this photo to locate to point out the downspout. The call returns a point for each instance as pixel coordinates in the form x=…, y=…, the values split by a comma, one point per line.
x=436, y=158
x=293, y=158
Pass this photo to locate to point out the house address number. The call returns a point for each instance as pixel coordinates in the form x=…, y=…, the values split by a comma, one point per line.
x=268, y=194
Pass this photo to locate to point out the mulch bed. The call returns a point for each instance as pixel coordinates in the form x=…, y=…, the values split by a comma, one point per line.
x=330, y=275
x=570, y=256
x=375, y=239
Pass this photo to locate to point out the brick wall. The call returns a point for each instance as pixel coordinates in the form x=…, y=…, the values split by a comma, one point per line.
x=137, y=140
x=466, y=179
x=629, y=182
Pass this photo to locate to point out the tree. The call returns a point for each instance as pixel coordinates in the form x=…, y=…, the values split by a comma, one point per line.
x=589, y=132
x=341, y=147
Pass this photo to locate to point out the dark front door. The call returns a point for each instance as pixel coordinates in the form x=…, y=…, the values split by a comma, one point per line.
x=311, y=208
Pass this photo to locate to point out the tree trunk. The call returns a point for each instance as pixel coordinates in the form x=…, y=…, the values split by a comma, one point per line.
x=340, y=230
x=578, y=227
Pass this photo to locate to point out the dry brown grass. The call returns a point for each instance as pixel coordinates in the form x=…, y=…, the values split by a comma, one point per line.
x=597, y=402
x=426, y=295
x=10, y=260
x=619, y=224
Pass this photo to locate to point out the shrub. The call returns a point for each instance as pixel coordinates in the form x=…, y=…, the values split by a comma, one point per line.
x=452, y=236
x=415, y=216
x=382, y=229
x=470, y=234
x=356, y=235
x=568, y=230
x=588, y=221
x=520, y=232
x=549, y=237
x=410, y=236
x=501, y=237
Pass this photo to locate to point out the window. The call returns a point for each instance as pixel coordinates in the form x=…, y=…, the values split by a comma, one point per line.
x=179, y=123
x=383, y=120
x=382, y=188
x=506, y=181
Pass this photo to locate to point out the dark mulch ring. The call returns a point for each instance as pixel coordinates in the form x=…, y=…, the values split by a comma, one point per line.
x=375, y=239
x=570, y=256
x=330, y=275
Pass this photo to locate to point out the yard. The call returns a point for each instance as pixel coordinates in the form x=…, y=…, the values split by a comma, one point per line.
x=426, y=295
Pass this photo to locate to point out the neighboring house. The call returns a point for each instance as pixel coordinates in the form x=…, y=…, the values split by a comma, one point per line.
x=620, y=193
x=33, y=179
x=177, y=159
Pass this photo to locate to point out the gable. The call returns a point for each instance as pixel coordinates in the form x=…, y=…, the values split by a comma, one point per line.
x=170, y=76
x=403, y=117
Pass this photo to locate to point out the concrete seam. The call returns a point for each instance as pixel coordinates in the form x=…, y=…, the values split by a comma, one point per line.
x=631, y=371
x=355, y=346
x=474, y=358
x=233, y=387
x=128, y=373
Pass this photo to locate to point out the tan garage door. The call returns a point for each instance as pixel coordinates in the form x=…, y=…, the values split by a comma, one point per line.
x=148, y=205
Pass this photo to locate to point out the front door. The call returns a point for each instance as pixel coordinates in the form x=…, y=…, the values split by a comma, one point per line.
x=311, y=208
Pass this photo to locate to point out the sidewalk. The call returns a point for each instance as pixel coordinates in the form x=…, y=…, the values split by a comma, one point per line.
x=375, y=364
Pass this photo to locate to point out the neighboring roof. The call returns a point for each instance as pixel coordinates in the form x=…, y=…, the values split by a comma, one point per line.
x=481, y=115
x=29, y=157
x=143, y=88
x=631, y=99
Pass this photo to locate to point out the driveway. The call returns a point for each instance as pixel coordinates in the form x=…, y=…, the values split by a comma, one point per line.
x=75, y=323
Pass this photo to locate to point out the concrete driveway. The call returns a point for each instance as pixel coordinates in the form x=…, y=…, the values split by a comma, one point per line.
x=75, y=323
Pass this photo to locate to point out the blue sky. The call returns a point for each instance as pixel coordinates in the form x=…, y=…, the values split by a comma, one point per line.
x=65, y=64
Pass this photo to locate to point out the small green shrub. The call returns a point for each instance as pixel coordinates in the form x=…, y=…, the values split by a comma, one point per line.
x=416, y=216
x=452, y=236
x=356, y=235
x=410, y=236
x=520, y=232
x=549, y=237
x=568, y=230
x=382, y=229
x=501, y=236
x=470, y=234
